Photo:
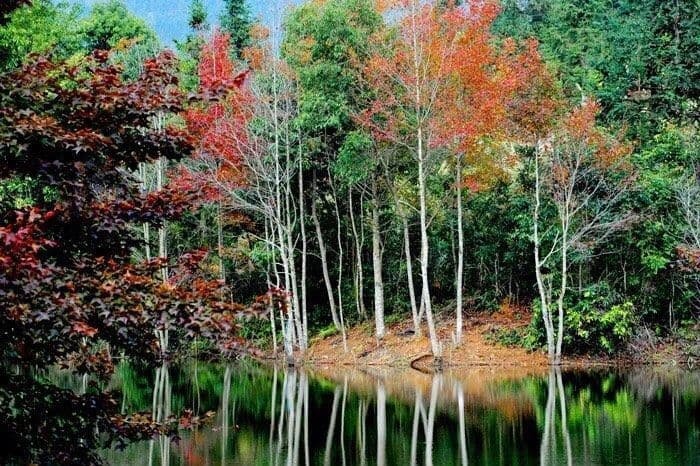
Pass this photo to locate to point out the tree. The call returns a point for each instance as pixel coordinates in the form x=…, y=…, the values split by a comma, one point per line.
x=220, y=128
x=71, y=293
x=198, y=16
x=325, y=44
x=192, y=45
x=441, y=87
x=110, y=22
x=581, y=175
x=237, y=22
x=37, y=28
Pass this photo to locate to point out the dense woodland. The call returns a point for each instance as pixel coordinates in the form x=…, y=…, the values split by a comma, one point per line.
x=361, y=163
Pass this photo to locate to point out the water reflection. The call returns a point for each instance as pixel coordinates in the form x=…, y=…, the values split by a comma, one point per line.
x=281, y=416
x=161, y=410
x=548, y=448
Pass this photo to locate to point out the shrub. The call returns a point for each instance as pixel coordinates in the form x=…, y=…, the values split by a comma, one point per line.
x=596, y=320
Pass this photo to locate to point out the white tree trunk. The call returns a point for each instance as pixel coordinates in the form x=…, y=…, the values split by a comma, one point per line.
x=340, y=264
x=381, y=424
x=302, y=283
x=545, y=299
x=324, y=265
x=380, y=331
x=359, y=279
x=459, y=279
x=409, y=275
x=424, y=251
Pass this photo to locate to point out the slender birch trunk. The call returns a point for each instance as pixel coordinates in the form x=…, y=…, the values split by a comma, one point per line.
x=359, y=279
x=302, y=283
x=324, y=265
x=541, y=285
x=424, y=252
x=340, y=264
x=409, y=275
x=459, y=279
x=435, y=345
x=380, y=331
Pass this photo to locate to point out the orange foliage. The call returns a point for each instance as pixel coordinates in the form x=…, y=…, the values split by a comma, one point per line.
x=442, y=70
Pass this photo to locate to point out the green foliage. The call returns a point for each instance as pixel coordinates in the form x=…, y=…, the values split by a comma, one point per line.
x=327, y=331
x=638, y=57
x=355, y=162
x=236, y=21
x=198, y=16
x=38, y=28
x=323, y=42
x=110, y=22
x=595, y=320
x=507, y=336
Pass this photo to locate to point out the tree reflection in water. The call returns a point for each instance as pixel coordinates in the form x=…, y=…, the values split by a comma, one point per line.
x=548, y=446
x=281, y=416
x=161, y=410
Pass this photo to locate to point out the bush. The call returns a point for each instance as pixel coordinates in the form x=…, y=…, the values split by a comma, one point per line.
x=596, y=320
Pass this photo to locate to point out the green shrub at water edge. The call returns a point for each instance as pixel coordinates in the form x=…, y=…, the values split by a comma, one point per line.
x=595, y=321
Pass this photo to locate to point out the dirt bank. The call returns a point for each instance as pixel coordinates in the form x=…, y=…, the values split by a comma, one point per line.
x=402, y=348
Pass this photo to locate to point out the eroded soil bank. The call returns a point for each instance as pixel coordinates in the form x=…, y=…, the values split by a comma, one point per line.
x=402, y=348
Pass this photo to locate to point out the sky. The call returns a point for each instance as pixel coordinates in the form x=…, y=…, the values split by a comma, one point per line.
x=169, y=17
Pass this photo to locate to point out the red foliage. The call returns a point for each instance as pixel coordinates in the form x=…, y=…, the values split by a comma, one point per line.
x=218, y=122
x=444, y=72
x=66, y=270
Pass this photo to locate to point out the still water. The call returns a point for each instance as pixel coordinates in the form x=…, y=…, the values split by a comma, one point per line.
x=481, y=416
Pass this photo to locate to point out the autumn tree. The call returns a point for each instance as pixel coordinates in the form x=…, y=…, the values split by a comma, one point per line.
x=218, y=125
x=581, y=174
x=442, y=87
x=70, y=290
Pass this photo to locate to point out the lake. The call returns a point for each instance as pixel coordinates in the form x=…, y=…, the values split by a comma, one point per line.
x=374, y=416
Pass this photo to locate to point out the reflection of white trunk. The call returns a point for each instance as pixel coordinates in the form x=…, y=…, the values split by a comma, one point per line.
x=459, y=392
x=430, y=425
x=362, y=430
x=546, y=445
x=225, y=398
x=555, y=391
x=417, y=410
x=342, y=419
x=331, y=427
x=381, y=424
x=297, y=418
x=291, y=382
x=273, y=411
x=564, y=426
x=161, y=406
x=293, y=412
x=305, y=388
